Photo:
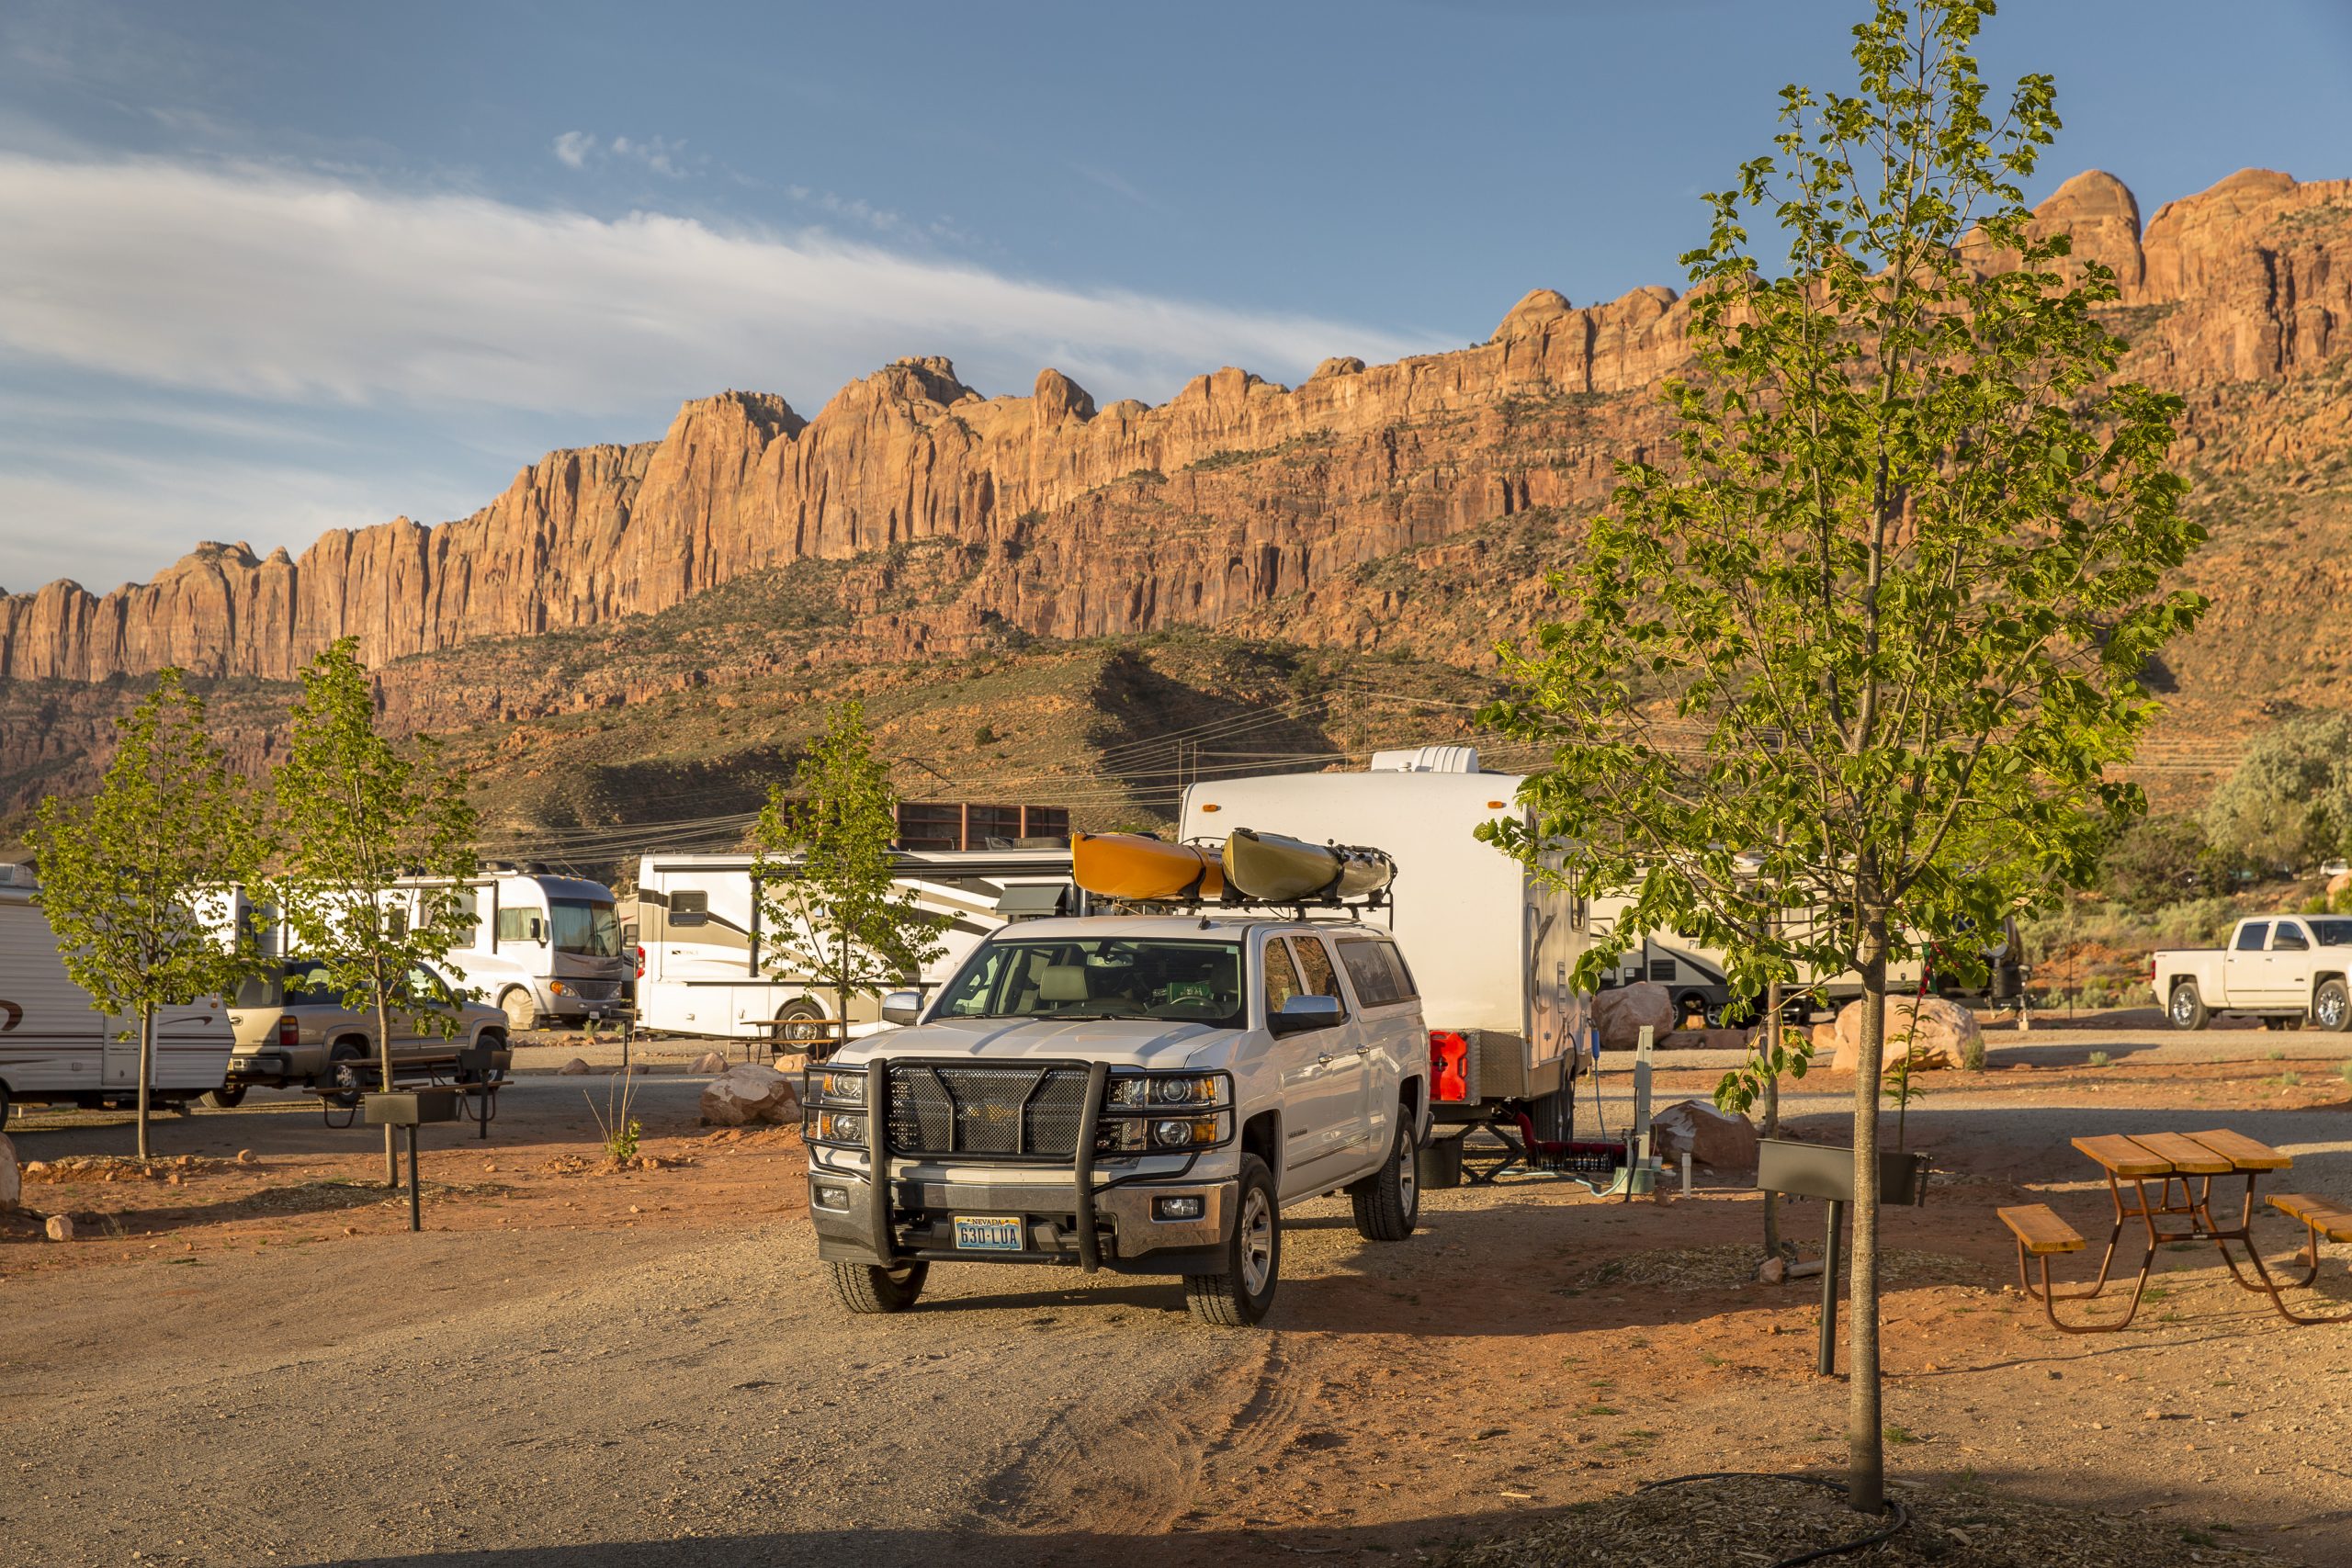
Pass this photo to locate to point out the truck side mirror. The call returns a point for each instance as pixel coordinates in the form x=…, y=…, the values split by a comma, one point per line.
x=1300, y=1013
x=901, y=1007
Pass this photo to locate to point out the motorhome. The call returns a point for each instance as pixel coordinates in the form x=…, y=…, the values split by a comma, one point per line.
x=535, y=946
x=706, y=964
x=56, y=1049
x=1492, y=946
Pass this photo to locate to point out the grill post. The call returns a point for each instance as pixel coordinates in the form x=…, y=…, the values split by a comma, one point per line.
x=1090, y=1113
x=877, y=1160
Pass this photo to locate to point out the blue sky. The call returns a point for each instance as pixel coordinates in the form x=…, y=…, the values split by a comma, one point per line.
x=268, y=269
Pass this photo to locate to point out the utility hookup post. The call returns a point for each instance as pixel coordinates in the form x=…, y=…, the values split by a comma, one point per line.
x=409, y=1109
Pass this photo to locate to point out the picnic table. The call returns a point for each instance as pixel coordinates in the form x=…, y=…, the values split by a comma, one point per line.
x=2188, y=1162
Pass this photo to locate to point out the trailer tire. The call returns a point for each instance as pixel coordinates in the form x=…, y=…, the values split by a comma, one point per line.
x=1239, y=1297
x=1437, y=1164
x=2332, y=1006
x=866, y=1288
x=1389, y=1203
x=5, y=1107
x=227, y=1098
x=2186, y=1007
x=1690, y=1005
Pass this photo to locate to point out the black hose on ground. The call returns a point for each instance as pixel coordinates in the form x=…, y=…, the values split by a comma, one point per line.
x=1902, y=1516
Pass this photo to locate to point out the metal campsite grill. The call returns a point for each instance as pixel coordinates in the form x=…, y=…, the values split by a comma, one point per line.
x=1814, y=1170
x=409, y=1109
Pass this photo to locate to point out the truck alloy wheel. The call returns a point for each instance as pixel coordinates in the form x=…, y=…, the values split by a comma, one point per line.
x=1238, y=1295
x=2332, y=1006
x=2186, y=1007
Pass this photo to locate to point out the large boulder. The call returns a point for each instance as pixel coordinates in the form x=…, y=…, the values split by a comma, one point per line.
x=1720, y=1140
x=1938, y=1034
x=749, y=1092
x=1620, y=1012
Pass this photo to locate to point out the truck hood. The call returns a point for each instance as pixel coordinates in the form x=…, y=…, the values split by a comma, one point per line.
x=1122, y=1042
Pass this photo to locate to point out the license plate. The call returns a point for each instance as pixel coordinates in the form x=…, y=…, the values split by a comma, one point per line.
x=988, y=1235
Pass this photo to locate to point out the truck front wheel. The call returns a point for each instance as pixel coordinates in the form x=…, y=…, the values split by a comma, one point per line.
x=863, y=1288
x=1238, y=1296
x=2187, y=1008
x=1388, y=1201
x=2332, y=1006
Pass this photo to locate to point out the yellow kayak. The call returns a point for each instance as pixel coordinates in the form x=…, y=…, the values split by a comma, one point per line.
x=1147, y=870
x=1281, y=870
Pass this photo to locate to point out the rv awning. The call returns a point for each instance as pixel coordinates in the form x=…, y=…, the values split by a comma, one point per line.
x=1032, y=899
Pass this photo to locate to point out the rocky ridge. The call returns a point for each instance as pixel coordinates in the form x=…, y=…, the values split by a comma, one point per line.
x=1237, y=496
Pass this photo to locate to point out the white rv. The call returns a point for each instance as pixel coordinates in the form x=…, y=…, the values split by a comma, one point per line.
x=535, y=946
x=703, y=964
x=56, y=1049
x=1492, y=947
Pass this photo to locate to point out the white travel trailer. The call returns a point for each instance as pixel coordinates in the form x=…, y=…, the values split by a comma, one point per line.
x=1493, y=947
x=535, y=946
x=56, y=1049
x=703, y=955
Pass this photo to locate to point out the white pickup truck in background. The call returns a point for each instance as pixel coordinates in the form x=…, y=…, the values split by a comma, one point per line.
x=2283, y=969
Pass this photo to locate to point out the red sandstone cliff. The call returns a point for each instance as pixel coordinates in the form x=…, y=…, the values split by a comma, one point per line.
x=1083, y=522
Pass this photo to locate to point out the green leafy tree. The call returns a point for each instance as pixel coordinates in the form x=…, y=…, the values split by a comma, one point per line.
x=2161, y=861
x=1844, y=674
x=831, y=909
x=354, y=814
x=121, y=875
x=2288, y=804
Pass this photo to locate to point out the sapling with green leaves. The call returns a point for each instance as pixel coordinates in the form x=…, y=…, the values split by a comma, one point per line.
x=355, y=813
x=1846, y=670
x=831, y=911
x=122, y=874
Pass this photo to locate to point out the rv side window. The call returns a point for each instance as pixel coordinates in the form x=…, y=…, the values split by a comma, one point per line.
x=1314, y=967
x=1282, y=977
x=689, y=906
x=514, y=925
x=1375, y=985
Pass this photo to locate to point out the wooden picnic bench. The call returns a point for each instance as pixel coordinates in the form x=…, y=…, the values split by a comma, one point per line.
x=2191, y=1161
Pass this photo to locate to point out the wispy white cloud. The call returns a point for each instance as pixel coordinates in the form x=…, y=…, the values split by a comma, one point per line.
x=573, y=147
x=200, y=283
x=580, y=149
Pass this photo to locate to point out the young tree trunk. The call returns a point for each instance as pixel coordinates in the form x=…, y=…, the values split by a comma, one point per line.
x=146, y=1070
x=1772, y=1112
x=384, y=1072
x=1866, y=1458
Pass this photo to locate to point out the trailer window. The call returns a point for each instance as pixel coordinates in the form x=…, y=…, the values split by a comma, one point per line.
x=2250, y=935
x=689, y=906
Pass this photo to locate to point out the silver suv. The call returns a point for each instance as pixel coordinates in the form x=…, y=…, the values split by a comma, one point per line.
x=292, y=1030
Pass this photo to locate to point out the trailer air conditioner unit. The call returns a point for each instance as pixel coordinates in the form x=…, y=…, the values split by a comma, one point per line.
x=1426, y=760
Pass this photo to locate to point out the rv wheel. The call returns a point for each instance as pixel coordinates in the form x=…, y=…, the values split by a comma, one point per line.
x=226, y=1099
x=520, y=1009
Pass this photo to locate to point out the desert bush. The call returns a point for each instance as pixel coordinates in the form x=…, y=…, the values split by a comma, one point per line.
x=2289, y=802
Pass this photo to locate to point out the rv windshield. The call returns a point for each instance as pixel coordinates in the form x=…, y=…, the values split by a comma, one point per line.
x=1088, y=977
x=585, y=928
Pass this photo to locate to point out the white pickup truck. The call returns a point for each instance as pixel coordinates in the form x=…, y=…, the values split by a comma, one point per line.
x=1142, y=1093
x=2280, y=968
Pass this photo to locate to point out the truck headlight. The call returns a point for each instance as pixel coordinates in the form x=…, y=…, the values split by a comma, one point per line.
x=837, y=1086
x=1143, y=1091
x=1184, y=1133
x=840, y=1127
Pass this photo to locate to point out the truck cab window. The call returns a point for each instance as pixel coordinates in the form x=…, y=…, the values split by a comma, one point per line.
x=2288, y=937
x=1282, y=977
x=1314, y=967
x=2251, y=935
x=1374, y=982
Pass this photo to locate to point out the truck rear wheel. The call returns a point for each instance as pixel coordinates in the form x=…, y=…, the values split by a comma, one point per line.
x=2332, y=1006
x=2186, y=1007
x=1437, y=1164
x=865, y=1288
x=1238, y=1296
x=1388, y=1201
x=227, y=1098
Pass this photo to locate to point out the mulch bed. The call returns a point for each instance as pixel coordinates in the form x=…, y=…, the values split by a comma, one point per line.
x=1755, y=1521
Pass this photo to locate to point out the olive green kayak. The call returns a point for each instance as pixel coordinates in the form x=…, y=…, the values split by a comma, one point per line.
x=1282, y=870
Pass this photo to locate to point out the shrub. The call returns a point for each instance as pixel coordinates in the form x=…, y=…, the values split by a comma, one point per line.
x=2289, y=802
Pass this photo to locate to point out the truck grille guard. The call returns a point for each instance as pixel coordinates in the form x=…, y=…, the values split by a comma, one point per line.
x=879, y=1100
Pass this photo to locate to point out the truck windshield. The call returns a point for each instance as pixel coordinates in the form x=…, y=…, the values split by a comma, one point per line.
x=1192, y=982
x=584, y=927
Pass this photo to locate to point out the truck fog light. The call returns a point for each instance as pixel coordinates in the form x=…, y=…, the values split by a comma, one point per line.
x=1178, y=1207
x=832, y=1196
